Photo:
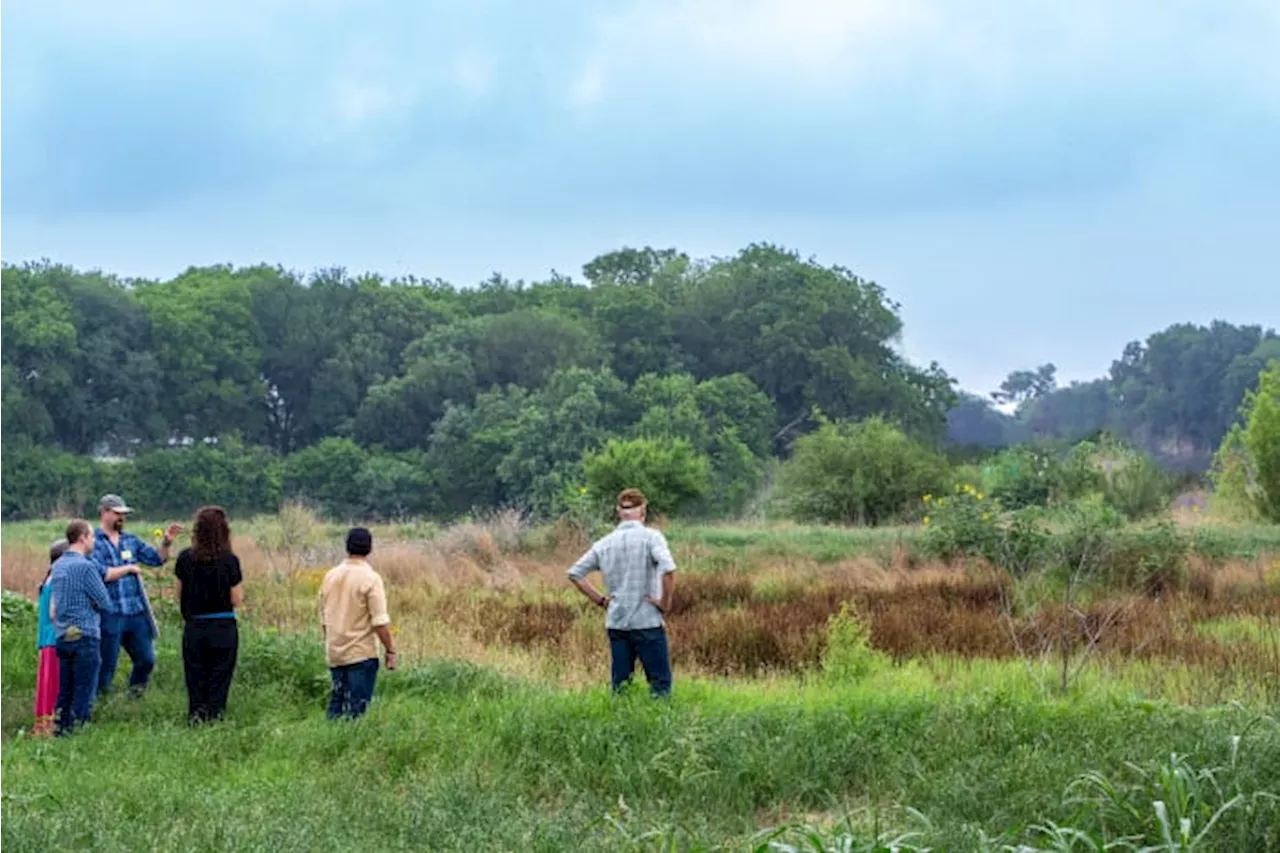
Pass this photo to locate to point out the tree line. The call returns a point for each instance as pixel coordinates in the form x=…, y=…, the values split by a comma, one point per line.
x=1176, y=395
x=375, y=397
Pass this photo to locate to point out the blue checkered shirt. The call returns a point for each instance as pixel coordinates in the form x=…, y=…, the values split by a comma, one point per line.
x=126, y=592
x=633, y=559
x=79, y=595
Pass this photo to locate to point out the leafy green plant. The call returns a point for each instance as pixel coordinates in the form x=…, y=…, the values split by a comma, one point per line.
x=868, y=472
x=848, y=655
x=963, y=524
x=16, y=610
x=1261, y=411
x=1234, y=490
x=669, y=472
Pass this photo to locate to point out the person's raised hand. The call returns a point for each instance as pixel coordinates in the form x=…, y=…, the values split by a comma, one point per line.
x=172, y=532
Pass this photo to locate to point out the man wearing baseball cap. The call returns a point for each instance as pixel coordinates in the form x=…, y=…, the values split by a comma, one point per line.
x=639, y=571
x=130, y=624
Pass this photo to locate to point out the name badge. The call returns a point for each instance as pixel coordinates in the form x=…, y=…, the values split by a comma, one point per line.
x=126, y=555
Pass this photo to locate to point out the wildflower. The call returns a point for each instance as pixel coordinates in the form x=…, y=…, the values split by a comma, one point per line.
x=979, y=496
x=927, y=498
x=157, y=533
x=582, y=491
x=986, y=516
x=926, y=521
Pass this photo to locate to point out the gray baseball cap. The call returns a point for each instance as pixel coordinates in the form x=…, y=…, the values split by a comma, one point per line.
x=114, y=503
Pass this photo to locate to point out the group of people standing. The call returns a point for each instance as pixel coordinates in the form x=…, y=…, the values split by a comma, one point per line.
x=93, y=603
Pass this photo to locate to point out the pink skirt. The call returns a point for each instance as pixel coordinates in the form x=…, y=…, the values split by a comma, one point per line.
x=46, y=691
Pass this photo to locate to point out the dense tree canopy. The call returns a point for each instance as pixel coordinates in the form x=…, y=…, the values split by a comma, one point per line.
x=494, y=395
x=419, y=396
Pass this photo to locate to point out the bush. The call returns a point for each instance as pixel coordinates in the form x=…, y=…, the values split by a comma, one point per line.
x=848, y=655
x=1234, y=491
x=243, y=478
x=669, y=472
x=867, y=472
x=325, y=474
x=1129, y=480
x=1022, y=476
x=39, y=482
x=16, y=611
x=960, y=525
x=1261, y=412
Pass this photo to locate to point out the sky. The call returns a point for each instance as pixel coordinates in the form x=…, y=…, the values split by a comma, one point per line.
x=1031, y=181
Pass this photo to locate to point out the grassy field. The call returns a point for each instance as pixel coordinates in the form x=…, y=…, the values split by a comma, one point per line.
x=961, y=711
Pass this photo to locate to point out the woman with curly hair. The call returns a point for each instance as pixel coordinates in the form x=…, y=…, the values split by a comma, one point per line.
x=209, y=591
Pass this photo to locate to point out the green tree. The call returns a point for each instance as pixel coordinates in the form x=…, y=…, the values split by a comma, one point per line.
x=1261, y=412
x=208, y=349
x=1023, y=385
x=672, y=474
x=867, y=472
x=326, y=474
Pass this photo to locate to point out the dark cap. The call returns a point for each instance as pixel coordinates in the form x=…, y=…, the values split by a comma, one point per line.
x=114, y=503
x=359, y=542
x=630, y=499
x=57, y=549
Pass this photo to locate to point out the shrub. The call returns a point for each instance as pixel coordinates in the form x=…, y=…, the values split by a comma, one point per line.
x=669, y=472
x=1261, y=411
x=848, y=655
x=16, y=611
x=867, y=472
x=243, y=478
x=1234, y=492
x=326, y=474
x=959, y=525
x=1022, y=476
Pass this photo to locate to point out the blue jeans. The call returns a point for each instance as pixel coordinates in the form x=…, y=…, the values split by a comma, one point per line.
x=648, y=644
x=352, y=688
x=133, y=633
x=78, y=662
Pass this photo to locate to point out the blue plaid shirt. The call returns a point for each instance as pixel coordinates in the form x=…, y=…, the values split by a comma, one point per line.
x=79, y=596
x=126, y=592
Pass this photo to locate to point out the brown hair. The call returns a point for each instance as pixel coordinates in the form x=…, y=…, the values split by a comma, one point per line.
x=77, y=529
x=210, y=535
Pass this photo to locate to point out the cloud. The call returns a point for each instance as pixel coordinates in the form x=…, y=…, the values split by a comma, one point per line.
x=821, y=108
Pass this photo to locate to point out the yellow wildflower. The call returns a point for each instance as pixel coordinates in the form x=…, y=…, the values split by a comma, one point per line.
x=979, y=496
x=986, y=516
x=157, y=533
x=926, y=521
x=927, y=498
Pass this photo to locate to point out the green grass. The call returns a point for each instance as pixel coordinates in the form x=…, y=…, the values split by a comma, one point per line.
x=452, y=756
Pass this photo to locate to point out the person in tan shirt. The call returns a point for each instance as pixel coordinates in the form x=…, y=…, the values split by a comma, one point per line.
x=353, y=617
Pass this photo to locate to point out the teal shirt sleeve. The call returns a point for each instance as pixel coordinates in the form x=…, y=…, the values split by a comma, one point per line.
x=46, y=635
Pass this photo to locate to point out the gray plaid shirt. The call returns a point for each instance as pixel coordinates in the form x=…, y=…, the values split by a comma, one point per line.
x=633, y=559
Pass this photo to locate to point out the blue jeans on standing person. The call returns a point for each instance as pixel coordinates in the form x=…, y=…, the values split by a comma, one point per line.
x=650, y=646
x=133, y=634
x=78, y=662
x=352, y=688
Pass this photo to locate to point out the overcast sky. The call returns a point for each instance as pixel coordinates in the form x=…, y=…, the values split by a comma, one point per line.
x=1032, y=181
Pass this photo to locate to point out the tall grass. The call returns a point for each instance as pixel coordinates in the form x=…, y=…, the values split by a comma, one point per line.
x=453, y=756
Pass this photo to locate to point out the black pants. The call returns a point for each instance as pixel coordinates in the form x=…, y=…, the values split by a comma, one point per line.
x=209, y=648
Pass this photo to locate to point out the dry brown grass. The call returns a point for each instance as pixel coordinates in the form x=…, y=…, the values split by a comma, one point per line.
x=479, y=592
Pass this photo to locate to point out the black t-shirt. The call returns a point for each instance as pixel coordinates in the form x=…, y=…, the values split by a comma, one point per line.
x=206, y=587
